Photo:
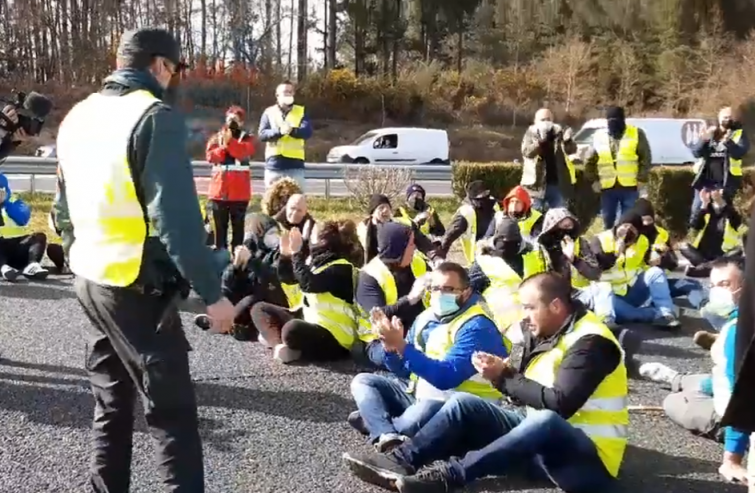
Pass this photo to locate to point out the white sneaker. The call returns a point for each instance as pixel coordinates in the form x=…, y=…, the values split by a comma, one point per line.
x=388, y=442
x=261, y=339
x=658, y=372
x=285, y=354
x=9, y=273
x=35, y=271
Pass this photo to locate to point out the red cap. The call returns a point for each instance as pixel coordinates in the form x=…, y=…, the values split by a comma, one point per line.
x=236, y=110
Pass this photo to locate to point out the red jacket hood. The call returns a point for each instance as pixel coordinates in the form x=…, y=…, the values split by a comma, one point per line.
x=520, y=194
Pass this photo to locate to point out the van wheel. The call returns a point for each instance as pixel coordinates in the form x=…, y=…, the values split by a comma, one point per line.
x=438, y=161
x=361, y=160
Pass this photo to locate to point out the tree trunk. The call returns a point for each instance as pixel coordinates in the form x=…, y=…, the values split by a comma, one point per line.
x=332, y=32
x=203, y=36
x=302, y=31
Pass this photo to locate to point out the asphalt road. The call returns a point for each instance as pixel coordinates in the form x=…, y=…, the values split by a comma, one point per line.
x=46, y=184
x=266, y=427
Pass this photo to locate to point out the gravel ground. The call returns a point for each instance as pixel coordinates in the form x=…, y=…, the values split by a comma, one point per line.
x=266, y=427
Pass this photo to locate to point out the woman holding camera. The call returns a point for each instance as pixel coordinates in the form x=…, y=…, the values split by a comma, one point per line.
x=230, y=186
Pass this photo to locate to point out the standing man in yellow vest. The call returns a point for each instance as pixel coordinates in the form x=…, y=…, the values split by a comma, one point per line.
x=573, y=430
x=623, y=159
x=433, y=361
x=548, y=174
x=130, y=220
x=285, y=127
x=471, y=221
x=421, y=213
x=719, y=154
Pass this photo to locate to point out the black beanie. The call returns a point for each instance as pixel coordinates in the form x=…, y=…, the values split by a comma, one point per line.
x=631, y=217
x=643, y=207
x=392, y=240
x=138, y=47
x=377, y=200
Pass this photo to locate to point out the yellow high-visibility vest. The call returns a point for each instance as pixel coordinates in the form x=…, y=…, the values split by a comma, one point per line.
x=605, y=416
x=628, y=266
x=732, y=237
x=383, y=275
x=525, y=224
x=735, y=165
x=330, y=312
x=425, y=228
x=626, y=166
x=502, y=295
x=10, y=229
x=469, y=238
x=286, y=146
x=109, y=221
x=439, y=343
x=529, y=169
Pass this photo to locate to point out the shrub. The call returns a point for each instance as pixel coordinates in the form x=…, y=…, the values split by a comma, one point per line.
x=364, y=181
x=668, y=188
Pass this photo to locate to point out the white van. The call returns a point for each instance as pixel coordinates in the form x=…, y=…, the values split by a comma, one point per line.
x=671, y=139
x=395, y=145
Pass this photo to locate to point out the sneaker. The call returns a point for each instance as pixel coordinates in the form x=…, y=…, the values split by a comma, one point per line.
x=285, y=354
x=242, y=332
x=355, y=421
x=704, y=339
x=433, y=479
x=630, y=342
x=388, y=442
x=203, y=322
x=379, y=469
x=9, y=273
x=667, y=321
x=658, y=372
x=35, y=271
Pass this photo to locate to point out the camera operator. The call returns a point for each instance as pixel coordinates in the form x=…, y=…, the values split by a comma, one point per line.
x=8, y=144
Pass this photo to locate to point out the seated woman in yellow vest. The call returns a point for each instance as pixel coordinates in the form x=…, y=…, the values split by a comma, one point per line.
x=421, y=213
x=20, y=252
x=623, y=254
x=324, y=326
x=393, y=283
x=518, y=206
x=662, y=255
x=380, y=212
x=471, y=221
x=718, y=228
x=572, y=432
x=432, y=362
x=499, y=269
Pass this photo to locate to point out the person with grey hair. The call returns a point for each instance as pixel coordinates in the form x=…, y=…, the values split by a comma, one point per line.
x=548, y=174
x=129, y=217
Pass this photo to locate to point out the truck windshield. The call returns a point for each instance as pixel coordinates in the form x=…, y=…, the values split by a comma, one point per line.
x=364, y=138
x=584, y=136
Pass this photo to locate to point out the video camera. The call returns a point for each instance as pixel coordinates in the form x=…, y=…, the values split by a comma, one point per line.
x=32, y=109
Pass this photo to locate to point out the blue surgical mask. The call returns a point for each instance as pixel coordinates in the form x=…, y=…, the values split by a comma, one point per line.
x=443, y=304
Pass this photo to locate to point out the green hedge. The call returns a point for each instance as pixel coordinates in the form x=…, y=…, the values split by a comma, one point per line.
x=668, y=188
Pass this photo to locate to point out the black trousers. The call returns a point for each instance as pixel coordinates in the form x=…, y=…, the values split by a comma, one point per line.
x=223, y=214
x=279, y=325
x=136, y=350
x=20, y=251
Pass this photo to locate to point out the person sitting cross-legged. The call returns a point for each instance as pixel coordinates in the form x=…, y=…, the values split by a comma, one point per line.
x=573, y=382
x=434, y=360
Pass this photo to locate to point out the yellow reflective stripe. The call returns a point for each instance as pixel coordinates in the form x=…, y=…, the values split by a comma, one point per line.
x=293, y=295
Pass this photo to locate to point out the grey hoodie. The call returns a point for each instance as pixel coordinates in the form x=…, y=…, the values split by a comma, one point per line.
x=549, y=243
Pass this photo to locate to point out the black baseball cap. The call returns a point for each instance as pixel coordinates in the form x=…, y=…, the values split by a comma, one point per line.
x=139, y=46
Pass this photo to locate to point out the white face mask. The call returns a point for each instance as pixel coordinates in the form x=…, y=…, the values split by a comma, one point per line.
x=720, y=301
x=543, y=126
x=271, y=240
x=286, y=100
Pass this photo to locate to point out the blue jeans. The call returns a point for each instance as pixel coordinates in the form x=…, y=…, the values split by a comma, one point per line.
x=271, y=175
x=597, y=297
x=691, y=288
x=647, y=299
x=374, y=353
x=386, y=407
x=551, y=199
x=614, y=202
x=492, y=441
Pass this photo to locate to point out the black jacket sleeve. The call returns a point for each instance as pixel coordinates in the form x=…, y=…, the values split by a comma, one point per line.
x=477, y=278
x=697, y=218
x=605, y=260
x=286, y=270
x=437, y=228
x=336, y=279
x=454, y=231
x=735, y=219
x=424, y=244
x=585, y=365
x=369, y=296
x=537, y=227
x=587, y=262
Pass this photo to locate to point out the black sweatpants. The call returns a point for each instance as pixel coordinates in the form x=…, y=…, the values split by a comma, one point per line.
x=20, y=251
x=136, y=350
x=223, y=214
x=279, y=325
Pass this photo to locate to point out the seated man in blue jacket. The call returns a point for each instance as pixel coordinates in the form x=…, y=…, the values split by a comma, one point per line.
x=20, y=253
x=698, y=402
x=433, y=361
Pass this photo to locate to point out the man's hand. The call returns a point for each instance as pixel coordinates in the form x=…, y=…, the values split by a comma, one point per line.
x=489, y=366
x=285, y=128
x=421, y=218
x=3, y=195
x=567, y=135
x=708, y=133
x=717, y=196
x=704, y=198
x=241, y=256
x=391, y=334
x=221, y=316
x=295, y=240
x=224, y=137
x=567, y=247
x=655, y=259
x=285, y=244
x=418, y=289
x=20, y=134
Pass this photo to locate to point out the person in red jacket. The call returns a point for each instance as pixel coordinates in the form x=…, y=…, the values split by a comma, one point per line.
x=230, y=186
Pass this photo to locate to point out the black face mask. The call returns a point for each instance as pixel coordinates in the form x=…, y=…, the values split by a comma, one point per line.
x=510, y=248
x=235, y=129
x=485, y=203
x=417, y=203
x=727, y=124
x=571, y=233
x=517, y=214
x=616, y=127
